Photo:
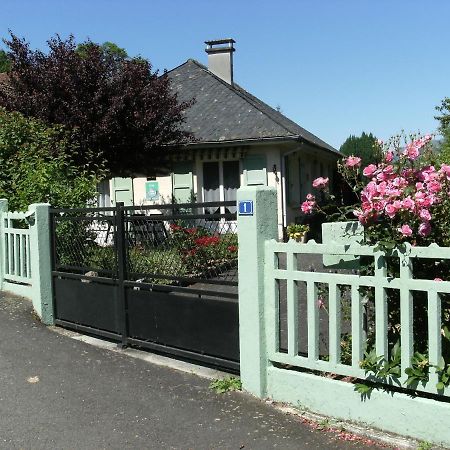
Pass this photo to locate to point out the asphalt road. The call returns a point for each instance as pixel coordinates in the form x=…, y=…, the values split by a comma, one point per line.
x=59, y=393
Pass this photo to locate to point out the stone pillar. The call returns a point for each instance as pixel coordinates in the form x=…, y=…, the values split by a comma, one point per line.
x=40, y=252
x=257, y=223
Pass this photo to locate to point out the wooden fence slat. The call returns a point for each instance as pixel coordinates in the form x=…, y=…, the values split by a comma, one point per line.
x=434, y=333
x=271, y=287
x=334, y=326
x=358, y=340
x=11, y=253
x=292, y=307
x=406, y=314
x=313, y=321
x=18, y=255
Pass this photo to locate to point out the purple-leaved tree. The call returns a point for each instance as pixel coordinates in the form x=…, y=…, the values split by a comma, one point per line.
x=123, y=115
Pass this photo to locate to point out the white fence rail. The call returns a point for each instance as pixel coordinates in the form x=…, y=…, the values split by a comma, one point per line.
x=16, y=245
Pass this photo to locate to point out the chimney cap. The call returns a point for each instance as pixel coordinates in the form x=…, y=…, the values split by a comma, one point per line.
x=221, y=41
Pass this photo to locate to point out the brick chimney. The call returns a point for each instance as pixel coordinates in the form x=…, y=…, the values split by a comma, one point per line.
x=220, y=58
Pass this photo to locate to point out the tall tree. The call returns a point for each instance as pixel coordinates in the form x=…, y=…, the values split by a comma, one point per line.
x=363, y=146
x=124, y=113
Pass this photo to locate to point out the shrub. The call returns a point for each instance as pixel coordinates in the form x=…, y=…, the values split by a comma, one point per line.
x=36, y=168
x=403, y=199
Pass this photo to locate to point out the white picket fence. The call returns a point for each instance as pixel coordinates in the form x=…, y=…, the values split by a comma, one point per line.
x=332, y=282
x=16, y=247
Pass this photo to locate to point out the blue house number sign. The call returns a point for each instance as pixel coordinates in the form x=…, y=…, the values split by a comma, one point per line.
x=246, y=207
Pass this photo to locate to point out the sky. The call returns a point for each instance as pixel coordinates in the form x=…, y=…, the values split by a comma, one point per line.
x=336, y=67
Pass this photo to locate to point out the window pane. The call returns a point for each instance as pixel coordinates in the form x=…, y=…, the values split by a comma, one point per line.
x=211, y=183
x=231, y=181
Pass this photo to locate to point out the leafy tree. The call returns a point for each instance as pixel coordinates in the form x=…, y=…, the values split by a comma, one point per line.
x=123, y=112
x=5, y=63
x=36, y=167
x=444, y=128
x=444, y=118
x=363, y=146
x=109, y=50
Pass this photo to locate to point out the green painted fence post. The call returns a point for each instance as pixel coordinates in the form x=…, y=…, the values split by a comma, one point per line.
x=3, y=209
x=253, y=230
x=41, y=273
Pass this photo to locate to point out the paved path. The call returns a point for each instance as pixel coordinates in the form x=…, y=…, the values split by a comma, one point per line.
x=59, y=393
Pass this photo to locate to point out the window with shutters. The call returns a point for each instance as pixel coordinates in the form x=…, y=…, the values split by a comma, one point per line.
x=221, y=180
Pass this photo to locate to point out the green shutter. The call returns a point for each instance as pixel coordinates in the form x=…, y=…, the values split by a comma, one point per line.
x=122, y=191
x=255, y=171
x=183, y=187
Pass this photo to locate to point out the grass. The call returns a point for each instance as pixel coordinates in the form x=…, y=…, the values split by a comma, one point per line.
x=425, y=446
x=227, y=384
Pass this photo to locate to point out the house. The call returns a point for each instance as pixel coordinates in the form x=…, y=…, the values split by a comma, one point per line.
x=239, y=140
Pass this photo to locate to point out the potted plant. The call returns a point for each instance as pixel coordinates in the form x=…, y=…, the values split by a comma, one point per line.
x=297, y=232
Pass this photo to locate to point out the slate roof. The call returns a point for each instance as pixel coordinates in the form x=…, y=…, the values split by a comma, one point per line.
x=224, y=112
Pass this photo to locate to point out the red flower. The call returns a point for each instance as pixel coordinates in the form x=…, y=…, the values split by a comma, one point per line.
x=191, y=230
x=175, y=227
x=232, y=248
x=205, y=241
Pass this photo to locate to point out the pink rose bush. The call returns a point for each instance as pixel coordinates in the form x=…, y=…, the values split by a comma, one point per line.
x=406, y=193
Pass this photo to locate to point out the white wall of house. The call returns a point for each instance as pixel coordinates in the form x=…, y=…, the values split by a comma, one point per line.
x=301, y=165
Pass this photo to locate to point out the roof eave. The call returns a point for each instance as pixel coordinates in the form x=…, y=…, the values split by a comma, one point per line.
x=256, y=141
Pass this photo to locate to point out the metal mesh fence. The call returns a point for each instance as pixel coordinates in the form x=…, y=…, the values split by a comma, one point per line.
x=164, y=244
x=85, y=241
x=182, y=245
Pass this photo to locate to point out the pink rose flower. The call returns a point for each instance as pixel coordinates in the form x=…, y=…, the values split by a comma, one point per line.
x=308, y=206
x=391, y=210
x=371, y=189
x=437, y=279
x=412, y=151
x=425, y=215
x=389, y=156
x=405, y=230
x=320, y=183
x=310, y=198
x=369, y=170
x=366, y=206
x=424, y=229
x=352, y=161
x=445, y=169
x=434, y=187
x=408, y=203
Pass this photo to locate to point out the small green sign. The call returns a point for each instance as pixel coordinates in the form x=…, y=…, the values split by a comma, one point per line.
x=151, y=190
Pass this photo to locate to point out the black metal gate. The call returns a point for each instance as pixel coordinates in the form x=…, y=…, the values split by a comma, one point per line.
x=162, y=277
